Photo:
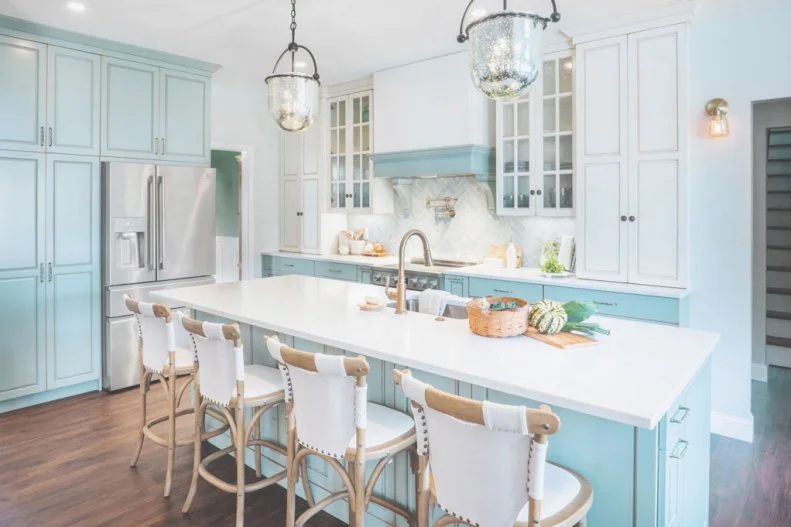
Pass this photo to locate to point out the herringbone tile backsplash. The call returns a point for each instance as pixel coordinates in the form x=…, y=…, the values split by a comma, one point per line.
x=468, y=235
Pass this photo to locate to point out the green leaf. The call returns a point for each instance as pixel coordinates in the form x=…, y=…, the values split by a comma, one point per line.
x=579, y=311
x=586, y=328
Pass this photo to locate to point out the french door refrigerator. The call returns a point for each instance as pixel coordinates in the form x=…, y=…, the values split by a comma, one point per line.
x=158, y=233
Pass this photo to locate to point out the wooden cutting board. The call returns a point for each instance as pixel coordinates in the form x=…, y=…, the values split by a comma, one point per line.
x=562, y=340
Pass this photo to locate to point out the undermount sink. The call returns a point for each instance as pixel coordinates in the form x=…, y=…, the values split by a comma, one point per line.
x=452, y=310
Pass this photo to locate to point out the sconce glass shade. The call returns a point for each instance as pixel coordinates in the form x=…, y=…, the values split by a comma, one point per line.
x=505, y=53
x=293, y=100
x=718, y=126
x=717, y=110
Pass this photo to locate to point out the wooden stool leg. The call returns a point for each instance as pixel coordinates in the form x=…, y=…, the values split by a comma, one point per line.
x=171, y=427
x=303, y=467
x=200, y=410
x=257, y=449
x=359, y=493
x=419, y=466
x=291, y=467
x=240, y=441
x=142, y=397
x=350, y=470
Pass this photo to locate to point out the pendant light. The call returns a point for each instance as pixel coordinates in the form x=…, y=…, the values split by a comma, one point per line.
x=505, y=50
x=294, y=96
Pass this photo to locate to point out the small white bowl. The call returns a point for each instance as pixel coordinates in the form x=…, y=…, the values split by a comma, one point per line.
x=374, y=301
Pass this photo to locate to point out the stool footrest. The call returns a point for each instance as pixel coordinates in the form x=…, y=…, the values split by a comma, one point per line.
x=204, y=472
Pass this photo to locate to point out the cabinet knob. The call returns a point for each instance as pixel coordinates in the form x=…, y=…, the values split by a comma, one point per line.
x=632, y=218
x=623, y=218
x=532, y=192
x=538, y=192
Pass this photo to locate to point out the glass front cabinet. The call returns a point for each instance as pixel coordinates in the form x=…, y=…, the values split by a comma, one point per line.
x=350, y=149
x=535, y=148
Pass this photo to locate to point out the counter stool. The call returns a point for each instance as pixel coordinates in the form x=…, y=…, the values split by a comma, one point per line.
x=160, y=359
x=329, y=416
x=485, y=464
x=225, y=383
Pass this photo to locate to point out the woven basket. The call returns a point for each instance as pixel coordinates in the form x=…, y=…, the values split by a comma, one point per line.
x=507, y=323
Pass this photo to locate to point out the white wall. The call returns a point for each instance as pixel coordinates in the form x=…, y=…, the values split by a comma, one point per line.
x=240, y=117
x=741, y=51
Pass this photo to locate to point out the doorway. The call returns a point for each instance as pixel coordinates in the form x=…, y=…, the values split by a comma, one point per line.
x=229, y=165
x=772, y=236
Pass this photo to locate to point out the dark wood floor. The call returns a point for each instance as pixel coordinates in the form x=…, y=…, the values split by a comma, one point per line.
x=751, y=483
x=65, y=464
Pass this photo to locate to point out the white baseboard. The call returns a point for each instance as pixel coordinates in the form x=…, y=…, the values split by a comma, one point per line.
x=732, y=426
x=760, y=372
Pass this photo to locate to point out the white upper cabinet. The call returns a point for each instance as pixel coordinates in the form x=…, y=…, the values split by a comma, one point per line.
x=632, y=158
x=23, y=99
x=154, y=113
x=73, y=101
x=535, y=145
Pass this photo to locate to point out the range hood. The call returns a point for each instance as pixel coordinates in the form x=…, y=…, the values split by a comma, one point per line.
x=430, y=121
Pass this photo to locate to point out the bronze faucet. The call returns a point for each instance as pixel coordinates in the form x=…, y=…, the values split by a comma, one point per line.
x=400, y=294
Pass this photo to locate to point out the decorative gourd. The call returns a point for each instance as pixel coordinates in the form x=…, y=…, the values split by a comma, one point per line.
x=548, y=317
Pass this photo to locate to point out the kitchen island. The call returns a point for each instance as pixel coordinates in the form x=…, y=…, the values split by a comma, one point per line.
x=634, y=409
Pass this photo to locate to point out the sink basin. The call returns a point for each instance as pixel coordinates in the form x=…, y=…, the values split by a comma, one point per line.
x=452, y=310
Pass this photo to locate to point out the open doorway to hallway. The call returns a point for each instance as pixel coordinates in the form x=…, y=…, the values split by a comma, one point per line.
x=230, y=170
x=771, y=236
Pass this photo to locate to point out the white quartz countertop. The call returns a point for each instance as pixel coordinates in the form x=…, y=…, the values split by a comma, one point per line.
x=633, y=376
x=354, y=259
x=533, y=276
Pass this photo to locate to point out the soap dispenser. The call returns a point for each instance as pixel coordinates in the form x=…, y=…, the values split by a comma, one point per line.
x=510, y=256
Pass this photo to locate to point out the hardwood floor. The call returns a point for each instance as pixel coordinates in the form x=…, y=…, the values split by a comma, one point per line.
x=66, y=463
x=751, y=483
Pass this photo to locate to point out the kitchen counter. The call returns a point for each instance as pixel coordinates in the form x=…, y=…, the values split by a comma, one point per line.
x=353, y=259
x=533, y=276
x=632, y=377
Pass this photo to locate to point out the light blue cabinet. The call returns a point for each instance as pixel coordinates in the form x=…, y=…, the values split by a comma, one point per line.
x=73, y=270
x=184, y=120
x=479, y=287
x=22, y=289
x=49, y=272
x=456, y=285
x=73, y=102
x=623, y=305
x=336, y=271
x=130, y=109
x=23, y=68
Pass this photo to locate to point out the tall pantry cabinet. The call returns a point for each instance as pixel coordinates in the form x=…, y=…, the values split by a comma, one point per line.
x=631, y=117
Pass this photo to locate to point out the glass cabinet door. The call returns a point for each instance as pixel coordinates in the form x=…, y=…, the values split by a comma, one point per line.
x=516, y=194
x=337, y=148
x=556, y=193
x=361, y=151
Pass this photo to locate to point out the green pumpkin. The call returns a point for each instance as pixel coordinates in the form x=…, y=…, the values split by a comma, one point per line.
x=548, y=317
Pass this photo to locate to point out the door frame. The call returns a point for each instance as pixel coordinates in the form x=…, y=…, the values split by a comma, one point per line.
x=246, y=193
x=773, y=113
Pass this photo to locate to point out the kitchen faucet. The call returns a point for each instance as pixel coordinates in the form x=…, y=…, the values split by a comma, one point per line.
x=400, y=294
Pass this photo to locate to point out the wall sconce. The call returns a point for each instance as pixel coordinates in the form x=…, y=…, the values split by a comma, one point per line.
x=717, y=110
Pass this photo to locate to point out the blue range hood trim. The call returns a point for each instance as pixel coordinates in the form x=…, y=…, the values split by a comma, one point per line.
x=467, y=160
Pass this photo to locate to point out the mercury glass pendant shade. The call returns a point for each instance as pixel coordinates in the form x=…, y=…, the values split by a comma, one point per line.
x=505, y=53
x=293, y=100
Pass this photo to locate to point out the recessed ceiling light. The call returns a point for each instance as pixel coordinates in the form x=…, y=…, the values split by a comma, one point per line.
x=77, y=7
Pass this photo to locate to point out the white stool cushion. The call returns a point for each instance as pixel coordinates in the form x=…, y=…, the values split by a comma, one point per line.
x=560, y=488
x=261, y=382
x=185, y=361
x=384, y=425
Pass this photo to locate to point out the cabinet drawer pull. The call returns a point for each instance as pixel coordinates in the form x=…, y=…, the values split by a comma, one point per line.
x=503, y=292
x=681, y=415
x=49, y=271
x=600, y=303
x=680, y=450
x=51, y=134
x=41, y=272
x=336, y=271
x=288, y=265
x=41, y=136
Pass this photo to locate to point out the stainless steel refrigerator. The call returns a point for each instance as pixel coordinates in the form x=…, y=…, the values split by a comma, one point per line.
x=158, y=233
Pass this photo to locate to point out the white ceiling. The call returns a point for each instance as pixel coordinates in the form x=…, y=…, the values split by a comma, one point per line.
x=350, y=38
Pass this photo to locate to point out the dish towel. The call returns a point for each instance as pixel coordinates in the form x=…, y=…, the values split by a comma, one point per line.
x=433, y=301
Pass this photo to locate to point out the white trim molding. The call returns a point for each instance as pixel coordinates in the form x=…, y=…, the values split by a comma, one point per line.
x=732, y=426
x=760, y=372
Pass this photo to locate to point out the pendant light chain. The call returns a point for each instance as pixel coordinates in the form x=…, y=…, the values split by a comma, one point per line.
x=293, y=20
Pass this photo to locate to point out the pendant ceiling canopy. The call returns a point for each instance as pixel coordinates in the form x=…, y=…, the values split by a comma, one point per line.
x=505, y=50
x=294, y=96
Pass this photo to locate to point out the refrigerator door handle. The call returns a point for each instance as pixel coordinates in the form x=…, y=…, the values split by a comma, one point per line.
x=150, y=225
x=161, y=221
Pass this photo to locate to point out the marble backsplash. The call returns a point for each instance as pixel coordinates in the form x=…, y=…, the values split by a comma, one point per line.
x=468, y=235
